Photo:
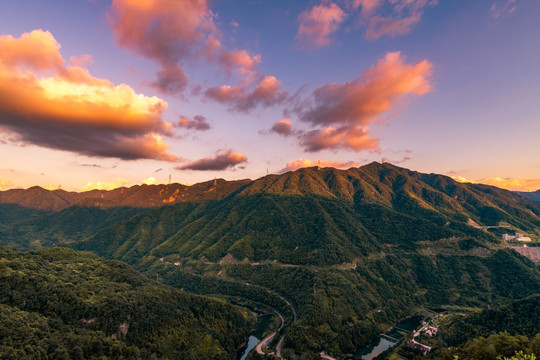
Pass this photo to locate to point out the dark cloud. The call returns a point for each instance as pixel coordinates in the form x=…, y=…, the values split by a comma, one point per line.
x=199, y=122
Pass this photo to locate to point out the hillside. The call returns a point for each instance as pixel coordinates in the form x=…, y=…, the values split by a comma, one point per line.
x=138, y=196
x=64, y=304
x=534, y=195
x=324, y=216
x=341, y=254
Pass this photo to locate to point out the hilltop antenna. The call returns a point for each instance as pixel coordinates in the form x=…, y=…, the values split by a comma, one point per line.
x=169, y=179
x=215, y=181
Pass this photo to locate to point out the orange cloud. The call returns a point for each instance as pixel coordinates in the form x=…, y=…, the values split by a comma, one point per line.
x=303, y=163
x=4, y=184
x=266, y=93
x=318, y=24
x=171, y=32
x=106, y=185
x=223, y=160
x=344, y=111
x=505, y=183
x=48, y=103
x=353, y=138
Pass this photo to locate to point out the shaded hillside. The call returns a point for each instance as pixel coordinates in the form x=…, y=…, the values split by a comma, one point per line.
x=520, y=317
x=63, y=304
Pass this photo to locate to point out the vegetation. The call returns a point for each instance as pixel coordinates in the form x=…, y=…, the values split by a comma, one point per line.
x=60, y=304
x=342, y=255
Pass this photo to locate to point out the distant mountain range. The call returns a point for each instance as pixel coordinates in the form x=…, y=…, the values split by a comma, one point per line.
x=341, y=254
x=535, y=195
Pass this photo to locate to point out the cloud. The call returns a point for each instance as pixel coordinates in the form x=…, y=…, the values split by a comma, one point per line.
x=106, y=185
x=239, y=98
x=173, y=33
x=199, y=122
x=48, y=103
x=391, y=17
x=344, y=111
x=503, y=8
x=505, y=183
x=5, y=184
x=223, y=160
x=302, y=163
x=378, y=17
x=351, y=138
x=396, y=162
x=149, y=181
x=282, y=127
x=318, y=25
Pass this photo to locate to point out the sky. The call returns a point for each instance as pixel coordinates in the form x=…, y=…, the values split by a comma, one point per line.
x=109, y=93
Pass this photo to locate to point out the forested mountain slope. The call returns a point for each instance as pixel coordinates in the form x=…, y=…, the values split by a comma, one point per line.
x=64, y=304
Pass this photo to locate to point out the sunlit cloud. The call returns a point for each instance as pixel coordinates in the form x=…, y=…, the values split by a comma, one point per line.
x=106, y=185
x=503, y=8
x=45, y=102
x=224, y=159
x=198, y=122
x=173, y=33
x=349, y=138
x=5, y=184
x=303, y=163
x=149, y=181
x=342, y=113
x=318, y=24
x=512, y=184
x=239, y=98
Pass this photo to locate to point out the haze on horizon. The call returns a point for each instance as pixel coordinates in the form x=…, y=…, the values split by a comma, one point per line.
x=102, y=94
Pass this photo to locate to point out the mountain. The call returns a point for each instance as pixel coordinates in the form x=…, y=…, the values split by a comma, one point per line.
x=320, y=216
x=341, y=255
x=57, y=303
x=534, y=195
x=143, y=196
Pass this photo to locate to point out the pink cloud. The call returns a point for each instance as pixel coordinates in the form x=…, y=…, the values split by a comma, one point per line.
x=344, y=111
x=199, y=122
x=503, y=8
x=47, y=103
x=282, y=127
x=223, y=160
x=398, y=17
x=303, y=163
x=352, y=138
x=239, y=98
x=173, y=33
x=319, y=24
